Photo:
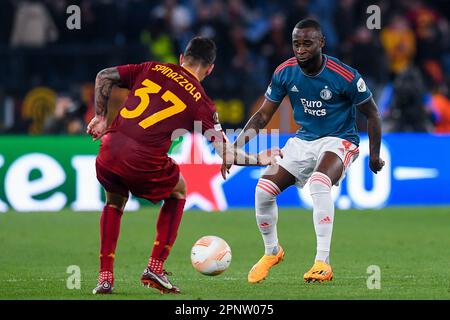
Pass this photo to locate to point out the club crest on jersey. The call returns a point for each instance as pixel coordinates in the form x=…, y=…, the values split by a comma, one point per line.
x=326, y=94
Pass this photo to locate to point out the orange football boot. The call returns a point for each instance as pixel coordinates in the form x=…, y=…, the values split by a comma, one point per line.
x=319, y=272
x=261, y=269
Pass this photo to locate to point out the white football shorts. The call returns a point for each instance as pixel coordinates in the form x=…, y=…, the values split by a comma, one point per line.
x=300, y=156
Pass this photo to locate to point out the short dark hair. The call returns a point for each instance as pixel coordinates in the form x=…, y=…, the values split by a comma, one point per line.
x=202, y=50
x=309, y=23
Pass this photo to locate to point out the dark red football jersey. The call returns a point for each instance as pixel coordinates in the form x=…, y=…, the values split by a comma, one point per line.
x=165, y=101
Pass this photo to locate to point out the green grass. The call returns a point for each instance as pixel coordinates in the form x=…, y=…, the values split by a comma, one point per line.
x=410, y=245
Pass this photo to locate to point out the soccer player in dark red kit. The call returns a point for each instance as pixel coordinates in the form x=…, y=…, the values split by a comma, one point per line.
x=133, y=156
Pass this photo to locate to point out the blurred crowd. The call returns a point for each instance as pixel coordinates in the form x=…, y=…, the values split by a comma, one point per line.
x=47, y=70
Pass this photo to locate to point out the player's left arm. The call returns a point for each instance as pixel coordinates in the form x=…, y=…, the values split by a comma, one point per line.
x=370, y=110
x=104, y=82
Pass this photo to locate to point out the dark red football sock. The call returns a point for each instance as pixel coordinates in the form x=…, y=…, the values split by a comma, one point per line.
x=105, y=276
x=166, y=232
x=109, y=234
x=155, y=265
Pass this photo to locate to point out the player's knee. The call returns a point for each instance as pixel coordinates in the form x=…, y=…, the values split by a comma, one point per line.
x=116, y=201
x=180, y=192
x=120, y=207
x=266, y=191
x=178, y=195
x=319, y=183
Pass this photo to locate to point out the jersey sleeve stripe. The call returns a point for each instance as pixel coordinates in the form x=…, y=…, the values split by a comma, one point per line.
x=341, y=74
x=281, y=66
x=345, y=76
x=340, y=69
x=285, y=66
x=288, y=60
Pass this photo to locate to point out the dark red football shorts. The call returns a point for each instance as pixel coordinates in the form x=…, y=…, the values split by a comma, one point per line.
x=122, y=167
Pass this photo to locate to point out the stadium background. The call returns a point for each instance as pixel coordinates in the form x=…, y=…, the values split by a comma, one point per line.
x=46, y=99
x=48, y=72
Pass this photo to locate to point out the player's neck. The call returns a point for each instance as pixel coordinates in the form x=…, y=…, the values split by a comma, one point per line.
x=194, y=70
x=314, y=67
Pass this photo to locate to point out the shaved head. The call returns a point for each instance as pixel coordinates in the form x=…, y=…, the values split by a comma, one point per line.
x=309, y=24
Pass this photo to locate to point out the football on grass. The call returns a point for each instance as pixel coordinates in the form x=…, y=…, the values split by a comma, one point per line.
x=211, y=255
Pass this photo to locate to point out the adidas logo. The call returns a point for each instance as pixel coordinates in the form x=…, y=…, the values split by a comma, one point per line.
x=264, y=225
x=294, y=88
x=327, y=219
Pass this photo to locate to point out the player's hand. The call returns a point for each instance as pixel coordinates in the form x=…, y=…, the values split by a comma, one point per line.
x=225, y=169
x=96, y=128
x=269, y=157
x=376, y=164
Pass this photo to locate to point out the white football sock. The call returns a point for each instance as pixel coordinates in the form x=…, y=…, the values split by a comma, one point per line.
x=323, y=213
x=267, y=214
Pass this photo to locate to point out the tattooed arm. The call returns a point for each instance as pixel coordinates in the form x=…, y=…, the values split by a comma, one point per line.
x=104, y=82
x=232, y=155
x=258, y=121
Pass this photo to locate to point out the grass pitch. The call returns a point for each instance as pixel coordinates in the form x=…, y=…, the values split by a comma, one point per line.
x=409, y=245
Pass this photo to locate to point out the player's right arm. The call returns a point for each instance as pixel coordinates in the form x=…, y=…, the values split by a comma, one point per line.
x=232, y=155
x=123, y=76
x=212, y=130
x=257, y=122
x=104, y=82
x=275, y=93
